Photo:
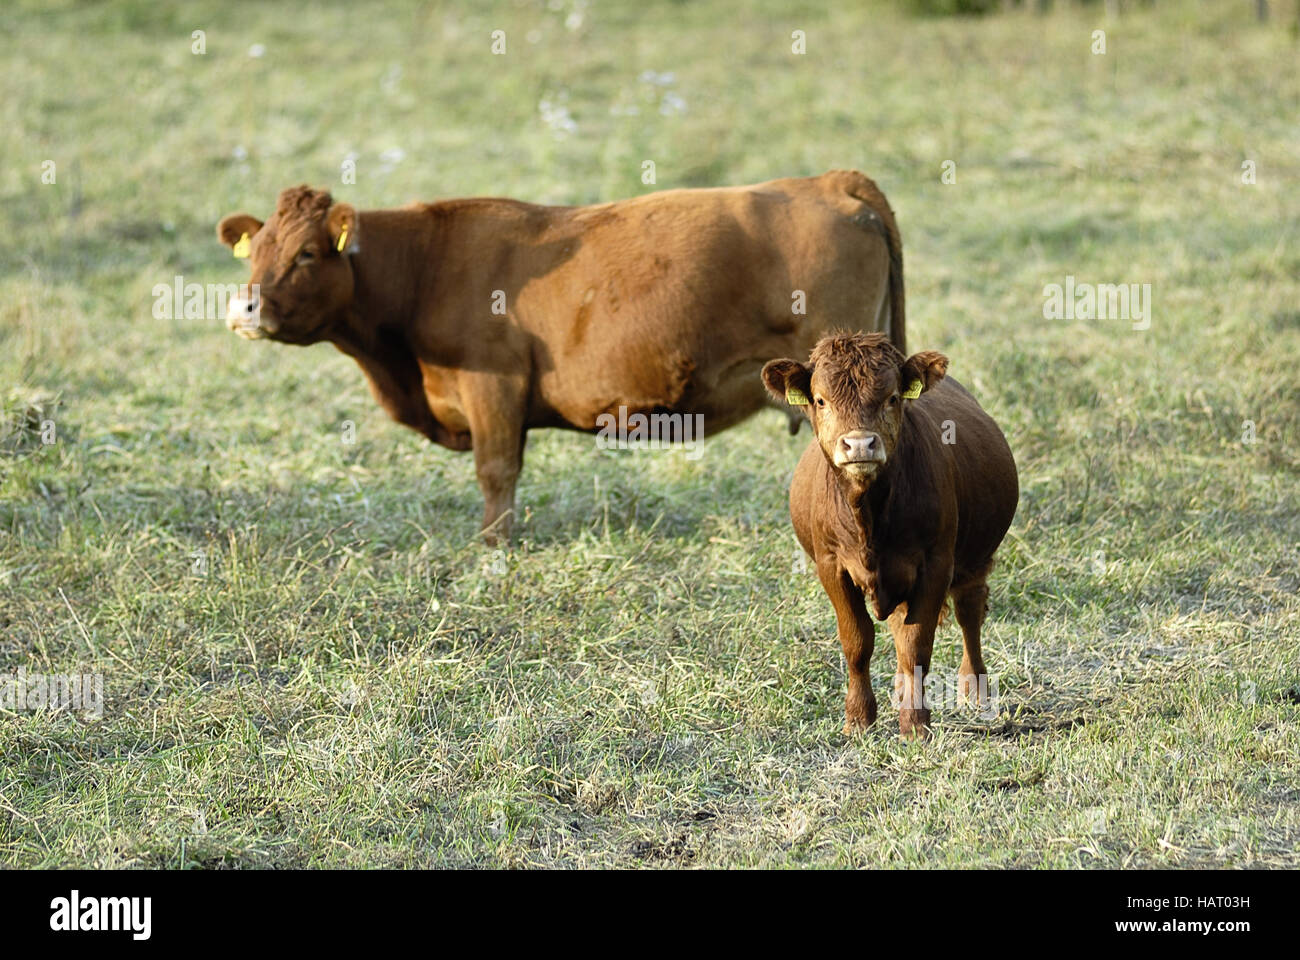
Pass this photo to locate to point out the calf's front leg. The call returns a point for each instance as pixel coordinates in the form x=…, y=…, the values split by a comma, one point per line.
x=913, y=624
x=857, y=634
x=913, y=642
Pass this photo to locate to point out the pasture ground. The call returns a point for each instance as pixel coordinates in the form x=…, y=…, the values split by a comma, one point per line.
x=308, y=660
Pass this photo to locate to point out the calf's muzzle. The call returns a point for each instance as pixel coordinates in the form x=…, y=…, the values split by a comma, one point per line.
x=859, y=447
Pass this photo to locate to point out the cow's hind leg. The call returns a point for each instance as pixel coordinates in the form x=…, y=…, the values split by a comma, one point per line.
x=970, y=604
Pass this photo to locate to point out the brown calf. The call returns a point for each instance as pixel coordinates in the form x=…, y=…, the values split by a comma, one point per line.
x=902, y=498
x=480, y=319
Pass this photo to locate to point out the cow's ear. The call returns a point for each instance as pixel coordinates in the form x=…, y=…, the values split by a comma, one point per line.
x=922, y=371
x=341, y=221
x=788, y=380
x=232, y=229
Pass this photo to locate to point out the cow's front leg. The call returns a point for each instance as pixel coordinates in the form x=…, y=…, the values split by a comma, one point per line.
x=494, y=407
x=498, y=471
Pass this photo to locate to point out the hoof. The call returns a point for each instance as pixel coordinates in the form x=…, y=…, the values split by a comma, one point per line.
x=914, y=724
x=859, y=719
x=854, y=727
x=969, y=692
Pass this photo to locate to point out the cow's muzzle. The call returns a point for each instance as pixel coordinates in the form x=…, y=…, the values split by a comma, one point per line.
x=244, y=315
x=859, y=450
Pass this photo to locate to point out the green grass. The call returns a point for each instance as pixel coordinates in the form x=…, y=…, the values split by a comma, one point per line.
x=651, y=681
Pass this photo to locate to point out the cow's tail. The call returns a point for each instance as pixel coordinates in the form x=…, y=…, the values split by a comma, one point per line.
x=865, y=189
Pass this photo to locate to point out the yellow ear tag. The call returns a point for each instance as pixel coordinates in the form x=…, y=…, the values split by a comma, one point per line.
x=795, y=397
x=343, y=238
x=913, y=390
x=240, y=249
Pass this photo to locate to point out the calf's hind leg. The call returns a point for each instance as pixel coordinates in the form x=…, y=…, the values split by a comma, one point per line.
x=970, y=604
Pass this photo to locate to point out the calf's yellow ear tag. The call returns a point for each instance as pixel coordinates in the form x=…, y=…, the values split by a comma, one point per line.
x=240, y=249
x=343, y=238
x=913, y=390
x=795, y=397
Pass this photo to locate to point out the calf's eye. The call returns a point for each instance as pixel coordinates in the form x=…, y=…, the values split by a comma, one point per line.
x=821, y=401
x=893, y=400
x=305, y=256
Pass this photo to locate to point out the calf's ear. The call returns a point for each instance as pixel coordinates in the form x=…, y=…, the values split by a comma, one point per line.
x=788, y=380
x=921, y=371
x=341, y=222
x=234, y=228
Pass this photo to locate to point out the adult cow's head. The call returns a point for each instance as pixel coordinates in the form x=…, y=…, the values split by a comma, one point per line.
x=301, y=279
x=855, y=388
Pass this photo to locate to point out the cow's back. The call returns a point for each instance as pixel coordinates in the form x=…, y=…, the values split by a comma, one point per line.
x=674, y=300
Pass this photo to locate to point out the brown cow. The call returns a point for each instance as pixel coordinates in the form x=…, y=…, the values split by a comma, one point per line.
x=477, y=319
x=903, y=496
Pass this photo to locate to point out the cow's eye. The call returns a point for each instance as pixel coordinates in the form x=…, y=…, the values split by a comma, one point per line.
x=821, y=401
x=305, y=256
x=893, y=400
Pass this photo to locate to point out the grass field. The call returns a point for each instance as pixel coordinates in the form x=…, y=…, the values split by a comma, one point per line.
x=309, y=661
